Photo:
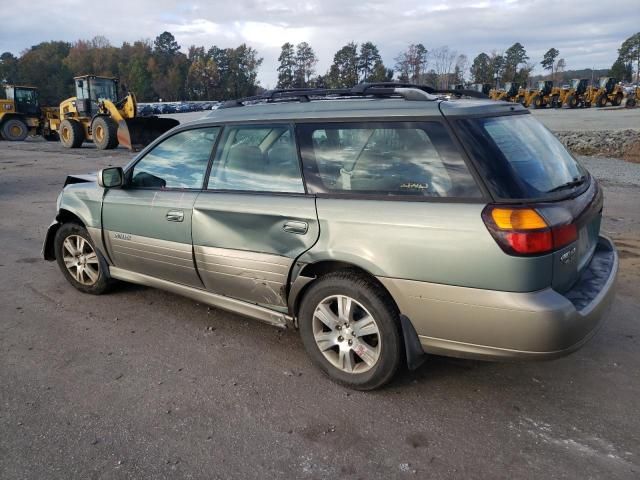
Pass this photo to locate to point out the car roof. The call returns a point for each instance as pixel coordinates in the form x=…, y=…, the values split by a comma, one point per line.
x=357, y=108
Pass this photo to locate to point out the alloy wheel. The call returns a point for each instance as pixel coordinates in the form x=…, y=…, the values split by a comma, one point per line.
x=81, y=260
x=346, y=334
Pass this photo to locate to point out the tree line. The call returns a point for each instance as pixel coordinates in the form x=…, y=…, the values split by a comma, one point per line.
x=159, y=70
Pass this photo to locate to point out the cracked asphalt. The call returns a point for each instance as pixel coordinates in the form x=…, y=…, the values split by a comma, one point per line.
x=141, y=383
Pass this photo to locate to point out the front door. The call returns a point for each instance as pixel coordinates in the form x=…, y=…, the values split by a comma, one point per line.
x=254, y=218
x=147, y=224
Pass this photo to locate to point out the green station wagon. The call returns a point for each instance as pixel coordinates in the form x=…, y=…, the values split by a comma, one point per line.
x=386, y=222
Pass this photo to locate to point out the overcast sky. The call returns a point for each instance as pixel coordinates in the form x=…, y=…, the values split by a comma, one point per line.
x=587, y=32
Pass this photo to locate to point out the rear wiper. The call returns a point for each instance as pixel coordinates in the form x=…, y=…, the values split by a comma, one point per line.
x=573, y=183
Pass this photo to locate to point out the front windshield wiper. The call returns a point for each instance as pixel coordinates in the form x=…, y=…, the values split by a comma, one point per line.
x=573, y=183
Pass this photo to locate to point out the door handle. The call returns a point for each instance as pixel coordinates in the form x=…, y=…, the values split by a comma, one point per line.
x=175, y=216
x=293, y=226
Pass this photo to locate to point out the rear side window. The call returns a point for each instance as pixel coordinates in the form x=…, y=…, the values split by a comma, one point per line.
x=257, y=159
x=520, y=159
x=390, y=158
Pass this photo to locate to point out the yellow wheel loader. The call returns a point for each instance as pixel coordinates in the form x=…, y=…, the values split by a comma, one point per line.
x=508, y=94
x=632, y=98
x=21, y=114
x=545, y=95
x=575, y=96
x=95, y=114
x=608, y=91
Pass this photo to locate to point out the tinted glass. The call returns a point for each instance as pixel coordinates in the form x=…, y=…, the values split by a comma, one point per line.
x=402, y=158
x=520, y=159
x=258, y=159
x=178, y=162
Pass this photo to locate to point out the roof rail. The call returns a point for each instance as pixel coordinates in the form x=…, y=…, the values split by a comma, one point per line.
x=408, y=91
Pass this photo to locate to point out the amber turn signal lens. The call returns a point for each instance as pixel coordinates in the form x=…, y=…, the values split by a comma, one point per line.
x=517, y=219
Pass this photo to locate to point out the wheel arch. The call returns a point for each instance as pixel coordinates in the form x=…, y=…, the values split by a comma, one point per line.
x=63, y=216
x=309, y=273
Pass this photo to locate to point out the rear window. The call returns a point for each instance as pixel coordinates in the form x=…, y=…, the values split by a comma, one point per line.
x=391, y=159
x=520, y=159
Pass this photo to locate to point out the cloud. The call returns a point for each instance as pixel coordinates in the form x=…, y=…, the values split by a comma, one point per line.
x=586, y=32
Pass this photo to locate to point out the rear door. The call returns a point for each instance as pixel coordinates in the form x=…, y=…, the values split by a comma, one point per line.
x=147, y=225
x=254, y=219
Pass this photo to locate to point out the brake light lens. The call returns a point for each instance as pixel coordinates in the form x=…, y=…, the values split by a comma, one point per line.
x=523, y=231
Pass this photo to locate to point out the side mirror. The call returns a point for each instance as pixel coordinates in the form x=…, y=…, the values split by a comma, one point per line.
x=111, y=177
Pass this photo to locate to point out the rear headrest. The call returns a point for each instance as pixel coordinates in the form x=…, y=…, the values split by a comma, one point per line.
x=245, y=158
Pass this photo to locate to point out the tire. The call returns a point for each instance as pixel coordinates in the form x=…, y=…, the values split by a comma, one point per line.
x=572, y=101
x=85, y=268
x=361, y=357
x=71, y=133
x=601, y=101
x=631, y=102
x=536, y=101
x=14, y=130
x=555, y=102
x=105, y=133
x=617, y=100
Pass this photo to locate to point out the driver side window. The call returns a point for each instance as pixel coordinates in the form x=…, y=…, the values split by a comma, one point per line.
x=180, y=161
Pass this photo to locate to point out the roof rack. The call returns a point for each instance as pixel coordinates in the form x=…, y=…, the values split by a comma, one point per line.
x=408, y=91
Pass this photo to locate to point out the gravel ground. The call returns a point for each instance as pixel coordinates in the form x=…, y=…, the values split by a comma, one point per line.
x=144, y=384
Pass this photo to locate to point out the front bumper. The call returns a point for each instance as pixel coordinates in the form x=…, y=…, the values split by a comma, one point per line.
x=493, y=325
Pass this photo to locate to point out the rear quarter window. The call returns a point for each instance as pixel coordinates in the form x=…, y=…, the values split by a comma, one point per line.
x=416, y=159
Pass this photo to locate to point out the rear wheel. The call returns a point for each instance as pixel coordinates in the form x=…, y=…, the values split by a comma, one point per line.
x=536, y=101
x=14, y=130
x=572, y=101
x=349, y=328
x=617, y=100
x=105, y=133
x=80, y=262
x=631, y=102
x=601, y=101
x=71, y=133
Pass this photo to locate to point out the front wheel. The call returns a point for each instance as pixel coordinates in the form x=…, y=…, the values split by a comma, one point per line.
x=617, y=100
x=15, y=130
x=350, y=329
x=105, y=133
x=81, y=263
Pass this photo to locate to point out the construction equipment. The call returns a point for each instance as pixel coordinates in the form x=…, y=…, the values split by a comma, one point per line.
x=95, y=114
x=608, y=91
x=575, y=95
x=632, y=98
x=21, y=114
x=544, y=95
x=510, y=92
x=481, y=87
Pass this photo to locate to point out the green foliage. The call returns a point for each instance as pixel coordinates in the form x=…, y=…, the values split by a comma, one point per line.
x=549, y=59
x=165, y=44
x=343, y=73
x=629, y=52
x=305, y=62
x=481, y=69
x=43, y=66
x=8, y=68
x=621, y=70
x=514, y=56
x=287, y=67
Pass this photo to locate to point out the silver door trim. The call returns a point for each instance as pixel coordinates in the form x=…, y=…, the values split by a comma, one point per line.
x=257, y=312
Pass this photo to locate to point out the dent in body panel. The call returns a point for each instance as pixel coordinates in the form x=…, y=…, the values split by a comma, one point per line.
x=445, y=243
x=85, y=201
x=241, y=247
x=260, y=277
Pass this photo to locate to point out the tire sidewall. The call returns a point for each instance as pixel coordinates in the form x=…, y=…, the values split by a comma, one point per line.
x=384, y=315
x=103, y=282
x=7, y=126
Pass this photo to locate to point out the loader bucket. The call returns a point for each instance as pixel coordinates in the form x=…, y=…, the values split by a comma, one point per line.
x=137, y=133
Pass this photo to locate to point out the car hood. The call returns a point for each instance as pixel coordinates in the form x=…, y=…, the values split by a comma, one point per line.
x=86, y=178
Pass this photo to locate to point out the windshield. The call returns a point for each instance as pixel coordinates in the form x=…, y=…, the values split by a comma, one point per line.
x=520, y=159
x=103, y=88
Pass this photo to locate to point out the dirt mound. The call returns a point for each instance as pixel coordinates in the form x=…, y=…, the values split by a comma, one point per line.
x=623, y=144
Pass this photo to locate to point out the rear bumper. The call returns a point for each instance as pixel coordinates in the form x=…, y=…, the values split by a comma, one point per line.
x=493, y=325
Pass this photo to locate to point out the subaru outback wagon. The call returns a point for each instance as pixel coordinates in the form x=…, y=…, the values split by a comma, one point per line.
x=383, y=221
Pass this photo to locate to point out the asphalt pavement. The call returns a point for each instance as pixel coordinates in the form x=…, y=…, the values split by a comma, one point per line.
x=141, y=383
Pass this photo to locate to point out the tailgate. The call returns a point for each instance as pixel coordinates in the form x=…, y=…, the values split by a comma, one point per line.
x=570, y=261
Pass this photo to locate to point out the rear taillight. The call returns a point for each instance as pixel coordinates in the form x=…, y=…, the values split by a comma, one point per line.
x=523, y=231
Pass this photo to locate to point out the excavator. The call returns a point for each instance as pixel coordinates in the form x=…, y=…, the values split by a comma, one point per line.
x=95, y=114
x=21, y=114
